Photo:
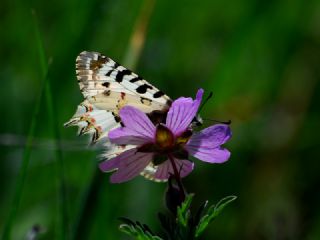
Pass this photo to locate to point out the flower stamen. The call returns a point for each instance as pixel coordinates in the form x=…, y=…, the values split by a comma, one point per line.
x=164, y=137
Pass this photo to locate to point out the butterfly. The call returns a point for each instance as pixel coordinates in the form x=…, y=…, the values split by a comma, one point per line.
x=107, y=87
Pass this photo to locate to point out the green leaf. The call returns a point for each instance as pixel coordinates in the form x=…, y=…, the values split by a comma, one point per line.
x=183, y=211
x=212, y=213
x=137, y=230
x=199, y=212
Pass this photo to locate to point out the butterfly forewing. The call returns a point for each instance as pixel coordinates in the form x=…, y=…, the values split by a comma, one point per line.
x=97, y=73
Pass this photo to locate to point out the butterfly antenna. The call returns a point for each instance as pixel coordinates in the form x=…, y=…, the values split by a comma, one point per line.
x=205, y=101
x=217, y=121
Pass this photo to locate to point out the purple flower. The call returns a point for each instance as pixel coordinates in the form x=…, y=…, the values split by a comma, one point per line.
x=165, y=146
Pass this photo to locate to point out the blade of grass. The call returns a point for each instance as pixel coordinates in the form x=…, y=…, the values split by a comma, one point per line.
x=23, y=169
x=89, y=197
x=62, y=216
x=139, y=34
x=29, y=143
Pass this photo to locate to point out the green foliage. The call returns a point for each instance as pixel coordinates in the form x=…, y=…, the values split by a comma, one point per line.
x=137, y=230
x=188, y=226
x=183, y=211
x=212, y=213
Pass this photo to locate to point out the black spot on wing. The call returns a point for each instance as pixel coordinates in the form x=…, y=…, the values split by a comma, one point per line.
x=116, y=117
x=109, y=73
x=107, y=93
x=143, y=88
x=113, y=67
x=106, y=84
x=116, y=65
x=120, y=75
x=158, y=94
x=145, y=101
x=133, y=80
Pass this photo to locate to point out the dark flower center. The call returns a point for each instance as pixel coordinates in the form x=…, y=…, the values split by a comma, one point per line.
x=164, y=137
x=166, y=143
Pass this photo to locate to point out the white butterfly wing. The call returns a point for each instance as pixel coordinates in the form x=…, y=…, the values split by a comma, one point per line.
x=107, y=87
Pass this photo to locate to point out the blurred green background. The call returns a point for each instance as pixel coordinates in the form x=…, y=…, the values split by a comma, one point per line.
x=261, y=59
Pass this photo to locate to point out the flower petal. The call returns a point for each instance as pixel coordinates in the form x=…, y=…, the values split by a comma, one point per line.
x=129, y=164
x=126, y=136
x=138, y=128
x=211, y=137
x=182, y=112
x=205, y=145
x=165, y=169
x=216, y=155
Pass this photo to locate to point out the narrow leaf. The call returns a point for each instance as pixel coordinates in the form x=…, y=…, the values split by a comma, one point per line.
x=137, y=230
x=183, y=211
x=222, y=204
x=199, y=212
x=212, y=213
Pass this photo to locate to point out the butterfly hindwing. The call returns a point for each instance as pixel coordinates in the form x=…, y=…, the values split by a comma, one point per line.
x=94, y=121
